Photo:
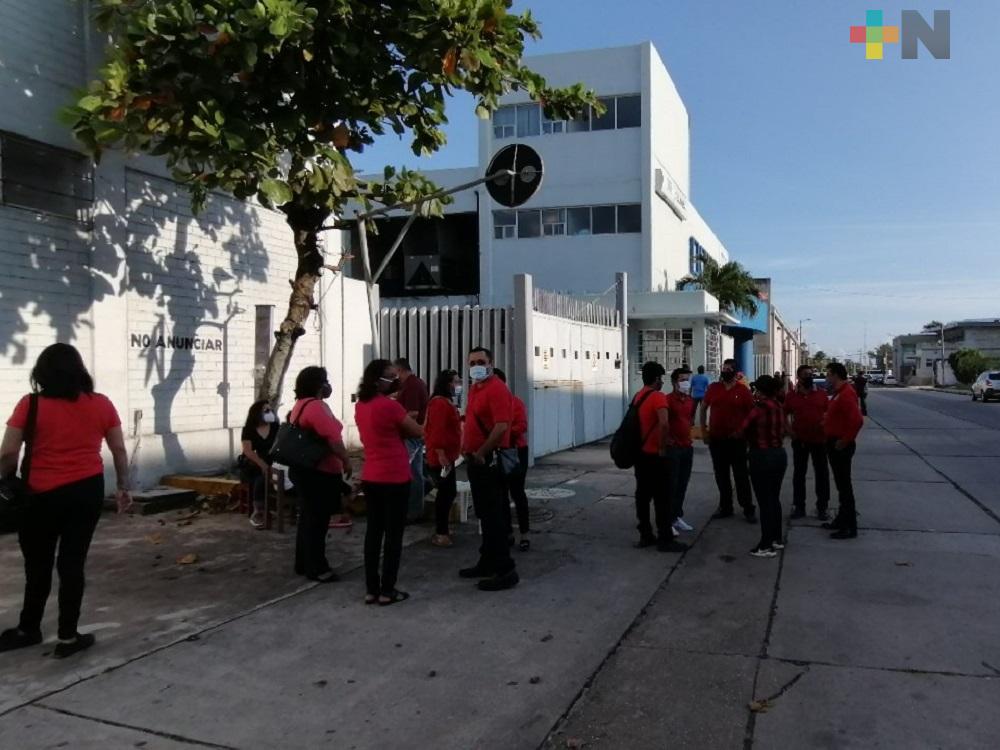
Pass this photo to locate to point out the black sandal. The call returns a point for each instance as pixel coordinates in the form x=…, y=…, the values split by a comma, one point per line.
x=394, y=598
x=371, y=599
x=327, y=577
x=15, y=638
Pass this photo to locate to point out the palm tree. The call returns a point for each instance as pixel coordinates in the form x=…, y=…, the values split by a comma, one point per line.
x=731, y=284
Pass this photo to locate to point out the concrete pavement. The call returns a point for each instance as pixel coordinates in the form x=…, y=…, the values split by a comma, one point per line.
x=888, y=640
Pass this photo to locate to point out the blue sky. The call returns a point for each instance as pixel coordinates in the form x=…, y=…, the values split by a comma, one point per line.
x=869, y=191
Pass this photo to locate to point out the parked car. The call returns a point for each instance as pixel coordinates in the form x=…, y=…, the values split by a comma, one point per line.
x=987, y=386
x=876, y=377
x=890, y=379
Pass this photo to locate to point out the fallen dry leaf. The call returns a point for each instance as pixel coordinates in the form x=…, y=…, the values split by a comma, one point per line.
x=154, y=539
x=189, y=559
x=759, y=707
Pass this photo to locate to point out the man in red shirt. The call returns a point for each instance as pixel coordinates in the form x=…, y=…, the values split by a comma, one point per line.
x=651, y=474
x=729, y=402
x=680, y=451
x=841, y=426
x=804, y=409
x=488, y=417
x=413, y=397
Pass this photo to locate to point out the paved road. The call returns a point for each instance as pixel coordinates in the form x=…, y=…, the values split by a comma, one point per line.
x=886, y=641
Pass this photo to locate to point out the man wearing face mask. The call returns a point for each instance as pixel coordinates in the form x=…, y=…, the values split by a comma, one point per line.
x=805, y=408
x=729, y=403
x=412, y=395
x=488, y=417
x=680, y=451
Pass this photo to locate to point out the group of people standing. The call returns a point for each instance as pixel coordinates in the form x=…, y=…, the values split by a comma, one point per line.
x=402, y=426
x=745, y=428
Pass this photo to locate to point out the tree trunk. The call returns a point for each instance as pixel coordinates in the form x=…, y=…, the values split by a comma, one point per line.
x=305, y=224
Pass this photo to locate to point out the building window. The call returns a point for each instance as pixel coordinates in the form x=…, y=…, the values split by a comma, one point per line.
x=529, y=223
x=528, y=120
x=503, y=123
x=580, y=123
x=607, y=120
x=629, y=111
x=553, y=221
x=44, y=178
x=504, y=225
x=579, y=220
x=696, y=257
x=552, y=127
x=604, y=220
x=629, y=218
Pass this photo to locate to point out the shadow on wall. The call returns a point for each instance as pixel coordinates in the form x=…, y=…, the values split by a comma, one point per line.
x=167, y=249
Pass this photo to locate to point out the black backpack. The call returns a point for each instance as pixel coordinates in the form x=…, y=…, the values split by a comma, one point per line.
x=627, y=441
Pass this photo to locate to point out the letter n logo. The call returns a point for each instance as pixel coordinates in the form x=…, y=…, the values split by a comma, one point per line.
x=936, y=39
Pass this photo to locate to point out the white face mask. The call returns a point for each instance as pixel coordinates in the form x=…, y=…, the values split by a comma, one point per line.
x=269, y=417
x=684, y=386
x=479, y=372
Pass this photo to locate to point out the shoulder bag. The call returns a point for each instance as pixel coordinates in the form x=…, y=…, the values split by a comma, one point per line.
x=299, y=447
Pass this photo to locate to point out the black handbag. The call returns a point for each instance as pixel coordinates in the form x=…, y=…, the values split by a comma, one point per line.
x=14, y=497
x=299, y=447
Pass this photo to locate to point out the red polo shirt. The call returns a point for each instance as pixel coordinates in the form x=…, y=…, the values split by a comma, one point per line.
x=443, y=430
x=649, y=419
x=519, y=427
x=680, y=410
x=728, y=409
x=490, y=403
x=807, y=410
x=843, y=417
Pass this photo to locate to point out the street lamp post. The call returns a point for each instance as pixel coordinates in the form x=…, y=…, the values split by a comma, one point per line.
x=801, y=321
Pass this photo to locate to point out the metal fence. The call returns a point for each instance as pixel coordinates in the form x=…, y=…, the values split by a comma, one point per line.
x=439, y=338
x=573, y=308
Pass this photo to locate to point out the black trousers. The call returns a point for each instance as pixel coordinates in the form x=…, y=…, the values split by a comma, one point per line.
x=319, y=498
x=488, y=496
x=515, y=492
x=679, y=463
x=840, y=465
x=801, y=454
x=651, y=484
x=254, y=479
x=767, y=471
x=730, y=455
x=386, y=506
x=447, y=491
x=63, y=518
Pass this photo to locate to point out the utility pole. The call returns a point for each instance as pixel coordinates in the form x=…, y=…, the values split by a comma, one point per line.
x=942, y=354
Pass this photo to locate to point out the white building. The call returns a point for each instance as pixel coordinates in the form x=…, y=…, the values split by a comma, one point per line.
x=614, y=197
x=172, y=313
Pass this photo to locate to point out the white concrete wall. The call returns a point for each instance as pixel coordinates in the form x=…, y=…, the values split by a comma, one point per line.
x=577, y=396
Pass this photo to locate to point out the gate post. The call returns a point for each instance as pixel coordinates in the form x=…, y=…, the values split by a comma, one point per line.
x=621, y=303
x=524, y=351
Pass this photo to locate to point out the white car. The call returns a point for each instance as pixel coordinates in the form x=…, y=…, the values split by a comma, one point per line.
x=987, y=386
x=889, y=379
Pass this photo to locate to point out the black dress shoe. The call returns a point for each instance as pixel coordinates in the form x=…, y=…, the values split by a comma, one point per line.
x=798, y=513
x=476, y=571
x=646, y=540
x=822, y=515
x=750, y=517
x=15, y=638
x=844, y=534
x=720, y=513
x=68, y=648
x=500, y=582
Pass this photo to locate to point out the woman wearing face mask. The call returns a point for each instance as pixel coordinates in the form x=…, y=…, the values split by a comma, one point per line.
x=257, y=437
x=383, y=425
x=444, y=443
x=320, y=487
x=679, y=450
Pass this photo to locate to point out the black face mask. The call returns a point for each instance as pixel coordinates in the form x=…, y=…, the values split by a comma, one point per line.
x=728, y=375
x=806, y=382
x=327, y=391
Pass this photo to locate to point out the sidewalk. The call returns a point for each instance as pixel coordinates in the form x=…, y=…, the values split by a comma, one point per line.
x=601, y=645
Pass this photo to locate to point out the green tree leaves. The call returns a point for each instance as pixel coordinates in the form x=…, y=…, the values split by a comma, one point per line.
x=731, y=284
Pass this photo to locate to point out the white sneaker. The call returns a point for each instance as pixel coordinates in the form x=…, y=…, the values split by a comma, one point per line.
x=777, y=545
x=763, y=553
x=681, y=525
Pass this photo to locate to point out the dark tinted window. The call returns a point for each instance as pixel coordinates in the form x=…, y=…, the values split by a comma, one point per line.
x=630, y=218
x=604, y=220
x=607, y=120
x=45, y=178
x=529, y=223
x=629, y=111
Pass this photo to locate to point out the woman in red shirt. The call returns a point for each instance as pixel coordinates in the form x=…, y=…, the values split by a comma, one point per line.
x=764, y=428
x=385, y=477
x=443, y=437
x=66, y=488
x=319, y=488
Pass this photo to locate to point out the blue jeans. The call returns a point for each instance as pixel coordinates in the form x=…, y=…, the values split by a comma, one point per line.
x=679, y=462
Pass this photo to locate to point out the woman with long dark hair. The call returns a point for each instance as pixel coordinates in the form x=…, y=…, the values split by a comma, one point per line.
x=384, y=425
x=444, y=444
x=257, y=438
x=66, y=489
x=320, y=487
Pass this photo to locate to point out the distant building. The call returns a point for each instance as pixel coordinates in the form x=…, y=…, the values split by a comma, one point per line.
x=916, y=356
